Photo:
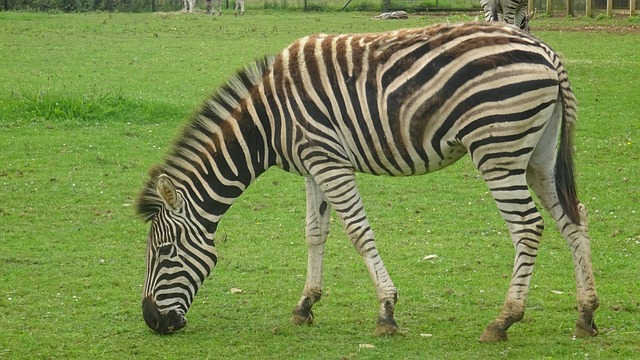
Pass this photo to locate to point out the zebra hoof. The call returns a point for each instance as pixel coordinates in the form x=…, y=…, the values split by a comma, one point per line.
x=385, y=329
x=493, y=333
x=585, y=329
x=386, y=326
x=300, y=318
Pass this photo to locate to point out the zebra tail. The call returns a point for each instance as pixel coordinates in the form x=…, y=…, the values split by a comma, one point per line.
x=565, y=169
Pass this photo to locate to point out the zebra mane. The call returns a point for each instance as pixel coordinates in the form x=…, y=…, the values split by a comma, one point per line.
x=210, y=118
x=149, y=203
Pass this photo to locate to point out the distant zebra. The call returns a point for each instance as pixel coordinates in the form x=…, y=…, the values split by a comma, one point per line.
x=400, y=103
x=210, y=6
x=510, y=11
x=239, y=6
x=189, y=5
x=218, y=4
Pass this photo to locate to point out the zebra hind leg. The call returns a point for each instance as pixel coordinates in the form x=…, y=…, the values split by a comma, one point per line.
x=525, y=225
x=317, y=229
x=577, y=238
x=542, y=180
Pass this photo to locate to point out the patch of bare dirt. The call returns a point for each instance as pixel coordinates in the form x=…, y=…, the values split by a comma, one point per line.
x=614, y=29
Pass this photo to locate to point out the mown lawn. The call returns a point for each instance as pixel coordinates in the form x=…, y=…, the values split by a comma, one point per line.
x=88, y=102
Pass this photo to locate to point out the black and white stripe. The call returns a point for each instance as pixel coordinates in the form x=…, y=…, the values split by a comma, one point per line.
x=512, y=12
x=400, y=103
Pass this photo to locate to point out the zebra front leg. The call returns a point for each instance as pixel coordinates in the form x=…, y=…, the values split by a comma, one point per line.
x=340, y=188
x=525, y=225
x=363, y=240
x=317, y=229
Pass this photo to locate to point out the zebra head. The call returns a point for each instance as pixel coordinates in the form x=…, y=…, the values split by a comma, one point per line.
x=179, y=255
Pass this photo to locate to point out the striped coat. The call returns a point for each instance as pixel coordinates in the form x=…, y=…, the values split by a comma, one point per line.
x=400, y=103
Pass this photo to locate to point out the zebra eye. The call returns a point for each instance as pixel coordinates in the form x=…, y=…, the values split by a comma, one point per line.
x=164, y=250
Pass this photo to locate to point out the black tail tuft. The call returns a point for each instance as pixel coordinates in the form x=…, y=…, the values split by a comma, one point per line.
x=565, y=172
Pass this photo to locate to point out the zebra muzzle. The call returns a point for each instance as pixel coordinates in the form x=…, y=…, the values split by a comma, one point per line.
x=161, y=322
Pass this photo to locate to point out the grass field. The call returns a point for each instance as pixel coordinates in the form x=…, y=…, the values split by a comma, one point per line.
x=88, y=102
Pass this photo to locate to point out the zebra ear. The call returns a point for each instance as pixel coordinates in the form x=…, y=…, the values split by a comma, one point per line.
x=167, y=192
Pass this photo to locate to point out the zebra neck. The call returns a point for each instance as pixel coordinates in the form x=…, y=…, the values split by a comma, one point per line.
x=216, y=160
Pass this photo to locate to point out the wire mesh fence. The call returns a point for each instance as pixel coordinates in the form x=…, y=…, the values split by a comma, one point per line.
x=550, y=7
x=177, y=5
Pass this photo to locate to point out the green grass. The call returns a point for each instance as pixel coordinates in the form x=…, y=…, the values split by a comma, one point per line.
x=88, y=102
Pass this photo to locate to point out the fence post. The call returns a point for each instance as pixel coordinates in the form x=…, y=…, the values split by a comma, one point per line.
x=588, y=9
x=550, y=7
x=632, y=7
x=569, y=7
x=609, y=8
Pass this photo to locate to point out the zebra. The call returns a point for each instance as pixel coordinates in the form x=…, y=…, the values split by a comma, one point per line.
x=189, y=5
x=218, y=4
x=510, y=11
x=399, y=103
x=210, y=7
x=240, y=6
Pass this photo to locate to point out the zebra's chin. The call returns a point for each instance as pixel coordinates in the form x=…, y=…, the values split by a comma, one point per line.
x=161, y=322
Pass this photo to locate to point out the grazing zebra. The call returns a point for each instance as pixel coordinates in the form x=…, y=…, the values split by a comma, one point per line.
x=400, y=103
x=512, y=12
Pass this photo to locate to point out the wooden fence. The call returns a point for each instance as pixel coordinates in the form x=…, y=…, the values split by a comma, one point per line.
x=587, y=8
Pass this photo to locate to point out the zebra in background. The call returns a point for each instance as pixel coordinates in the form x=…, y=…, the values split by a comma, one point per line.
x=189, y=5
x=210, y=7
x=400, y=103
x=239, y=6
x=512, y=12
